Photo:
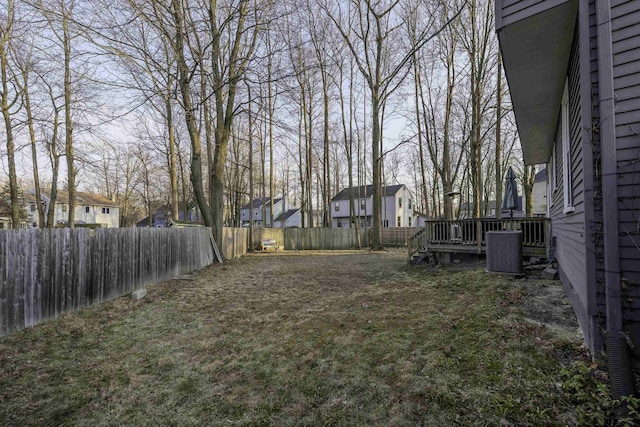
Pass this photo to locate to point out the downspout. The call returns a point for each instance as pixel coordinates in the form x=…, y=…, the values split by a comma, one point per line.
x=616, y=340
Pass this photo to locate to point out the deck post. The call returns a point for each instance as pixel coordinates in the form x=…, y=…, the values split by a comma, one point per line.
x=479, y=235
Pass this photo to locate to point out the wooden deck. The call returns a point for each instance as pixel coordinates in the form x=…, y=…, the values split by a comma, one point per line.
x=461, y=236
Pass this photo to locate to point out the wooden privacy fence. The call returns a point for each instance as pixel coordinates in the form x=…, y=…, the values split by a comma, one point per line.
x=323, y=238
x=234, y=242
x=329, y=238
x=267, y=233
x=398, y=236
x=44, y=273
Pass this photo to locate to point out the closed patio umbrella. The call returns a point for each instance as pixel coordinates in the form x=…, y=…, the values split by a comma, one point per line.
x=510, y=200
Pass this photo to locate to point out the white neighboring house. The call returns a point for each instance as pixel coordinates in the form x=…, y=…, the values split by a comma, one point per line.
x=289, y=218
x=540, y=194
x=397, y=206
x=90, y=208
x=254, y=210
x=420, y=219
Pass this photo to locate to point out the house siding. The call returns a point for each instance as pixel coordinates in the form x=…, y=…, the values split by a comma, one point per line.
x=390, y=209
x=568, y=229
x=246, y=213
x=511, y=11
x=625, y=25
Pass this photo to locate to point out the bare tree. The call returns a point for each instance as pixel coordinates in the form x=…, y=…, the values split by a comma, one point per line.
x=478, y=40
x=9, y=99
x=370, y=32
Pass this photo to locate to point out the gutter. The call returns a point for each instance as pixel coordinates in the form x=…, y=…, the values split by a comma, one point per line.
x=616, y=340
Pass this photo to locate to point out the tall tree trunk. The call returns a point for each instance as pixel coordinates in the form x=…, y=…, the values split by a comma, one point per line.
x=173, y=176
x=5, y=105
x=68, y=121
x=423, y=175
x=251, y=194
x=376, y=230
x=225, y=95
x=528, y=180
x=270, y=103
x=301, y=168
x=326, y=165
x=263, y=164
x=184, y=80
x=34, y=151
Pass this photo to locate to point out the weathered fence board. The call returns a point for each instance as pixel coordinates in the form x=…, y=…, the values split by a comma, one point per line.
x=234, y=242
x=318, y=238
x=322, y=239
x=398, y=236
x=44, y=273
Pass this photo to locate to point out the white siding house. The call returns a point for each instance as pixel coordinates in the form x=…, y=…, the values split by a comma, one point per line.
x=89, y=209
x=289, y=218
x=397, y=206
x=540, y=194
x=253, y=211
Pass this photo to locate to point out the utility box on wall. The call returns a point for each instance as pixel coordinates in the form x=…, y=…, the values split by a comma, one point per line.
x=504, y=252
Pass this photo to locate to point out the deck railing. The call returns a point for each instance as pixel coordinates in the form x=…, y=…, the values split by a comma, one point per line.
x=465, y=232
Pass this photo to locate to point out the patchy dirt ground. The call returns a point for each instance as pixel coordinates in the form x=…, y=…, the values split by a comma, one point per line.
x=301, y=338
x=546, y=302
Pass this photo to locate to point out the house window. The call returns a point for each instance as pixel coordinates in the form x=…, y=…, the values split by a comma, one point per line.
x=409, y=204
x=86, y=209
x=399, y=221
x=386, y=223
x=105, y=210
x=64, y=208
x=34, y=224
x=400, y=202
x=33, y=207
x=337, y=206
x=409, y=221
x=339, y=223
x=567, y=181
x=363, y=203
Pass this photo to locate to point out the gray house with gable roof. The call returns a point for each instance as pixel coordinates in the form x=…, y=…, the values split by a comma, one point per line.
x=253, y=210
x=397, y=206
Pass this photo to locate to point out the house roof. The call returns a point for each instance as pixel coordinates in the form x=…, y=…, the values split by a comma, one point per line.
x=365, y=191
x=82, y=198
x=288, y=214
x=258, y=202
x=541, y=176
x=535, y=52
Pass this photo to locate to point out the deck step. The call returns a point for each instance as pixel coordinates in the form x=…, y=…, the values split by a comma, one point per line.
x=422, y=257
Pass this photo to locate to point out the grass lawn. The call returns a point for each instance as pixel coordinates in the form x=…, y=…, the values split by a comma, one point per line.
x=307, y=339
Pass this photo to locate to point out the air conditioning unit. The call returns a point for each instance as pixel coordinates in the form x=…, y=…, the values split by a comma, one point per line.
x=504, y=252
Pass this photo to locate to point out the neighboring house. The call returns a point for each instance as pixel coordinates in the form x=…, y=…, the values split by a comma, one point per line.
x=5, y=223
x=540, y=193
x=162, y=218
x=254, y=210
x=397, y=206
x=89, y=209
x=573, y=69
x=289, y=218
x=420, y=219
x=5, y=214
